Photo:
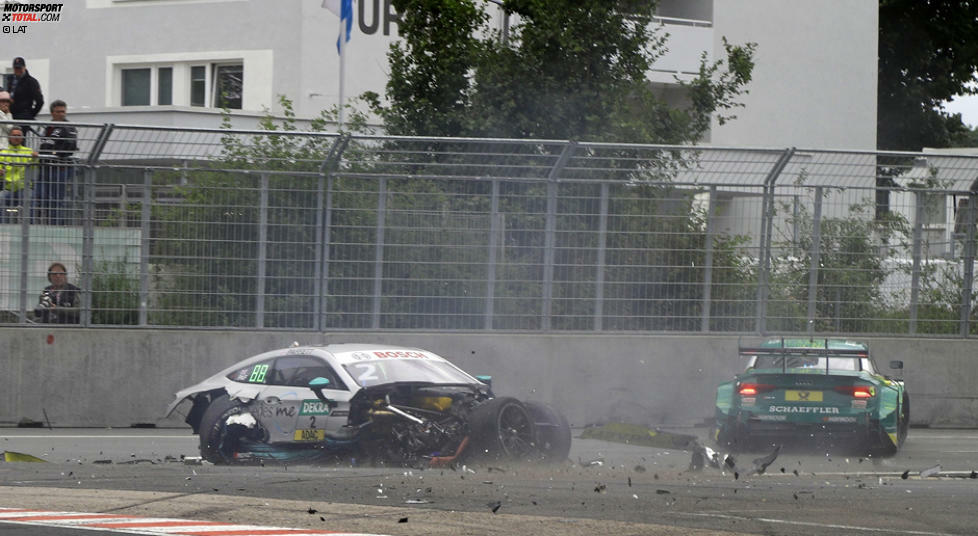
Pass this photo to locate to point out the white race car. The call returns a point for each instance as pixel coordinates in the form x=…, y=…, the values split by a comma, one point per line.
x=377, y=403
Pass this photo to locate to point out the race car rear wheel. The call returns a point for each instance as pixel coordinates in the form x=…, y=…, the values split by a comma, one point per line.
x=880, y=445
x=903, y=425
x=503, y=428
x=553, y=431
x=729, y=437
x=219, y=441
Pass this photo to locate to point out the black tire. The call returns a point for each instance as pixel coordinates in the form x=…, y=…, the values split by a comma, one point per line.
x=553, y=432
x=502, y=428
x=903, y=427
x=880, y=445
x=218, y=441
x=729, y=437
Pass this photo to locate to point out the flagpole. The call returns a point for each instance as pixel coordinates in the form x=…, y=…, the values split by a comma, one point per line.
x=342, y=42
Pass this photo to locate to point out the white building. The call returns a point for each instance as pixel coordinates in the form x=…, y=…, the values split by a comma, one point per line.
x=167, y=62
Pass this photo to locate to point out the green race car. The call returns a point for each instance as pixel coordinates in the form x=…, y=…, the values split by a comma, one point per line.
x=803, y=388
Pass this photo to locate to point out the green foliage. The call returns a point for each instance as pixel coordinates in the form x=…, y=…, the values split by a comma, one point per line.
x=852, y=267
x=206, y=251
x=570, y=69
x=927, y=54
x=115, y=293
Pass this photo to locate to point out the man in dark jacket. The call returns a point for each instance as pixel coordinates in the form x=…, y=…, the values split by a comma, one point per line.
x=26, y=93
x=58, y=144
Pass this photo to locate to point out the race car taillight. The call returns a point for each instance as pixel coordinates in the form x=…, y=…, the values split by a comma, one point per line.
x=857, y=391
x=751, y=389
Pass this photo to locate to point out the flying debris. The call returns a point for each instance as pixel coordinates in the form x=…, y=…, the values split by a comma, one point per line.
x=931, y=471
x=703, y=455
x=760, y=464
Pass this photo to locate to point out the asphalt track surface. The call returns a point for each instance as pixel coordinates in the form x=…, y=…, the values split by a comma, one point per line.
x=606, y=488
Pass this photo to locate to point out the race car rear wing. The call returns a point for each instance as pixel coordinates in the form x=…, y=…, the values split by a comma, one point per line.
x=825, y=351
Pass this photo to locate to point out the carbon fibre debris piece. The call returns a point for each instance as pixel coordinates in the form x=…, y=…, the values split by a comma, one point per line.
x=761, y=464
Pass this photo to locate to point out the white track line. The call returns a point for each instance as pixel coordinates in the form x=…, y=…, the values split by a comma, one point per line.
x=813, y=524
x=124, y=524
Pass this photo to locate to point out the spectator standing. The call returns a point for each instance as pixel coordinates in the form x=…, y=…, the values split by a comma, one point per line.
x=13, y=168
x=26, y=93
x=5, y=115
x=59, y=300
x=58, y=144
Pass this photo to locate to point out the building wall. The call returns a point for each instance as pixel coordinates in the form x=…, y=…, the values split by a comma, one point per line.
x=814, y=84
x=814, y=81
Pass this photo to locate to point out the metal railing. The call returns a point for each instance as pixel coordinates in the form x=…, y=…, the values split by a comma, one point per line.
x=165, y=227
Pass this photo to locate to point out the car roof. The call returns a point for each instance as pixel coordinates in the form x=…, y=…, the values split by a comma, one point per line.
x=346, y=353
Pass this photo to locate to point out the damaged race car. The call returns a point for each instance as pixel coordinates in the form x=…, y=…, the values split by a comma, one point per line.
x=377, y=404
x=804, y=389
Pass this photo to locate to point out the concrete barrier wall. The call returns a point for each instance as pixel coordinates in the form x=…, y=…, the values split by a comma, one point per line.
x=105, y=377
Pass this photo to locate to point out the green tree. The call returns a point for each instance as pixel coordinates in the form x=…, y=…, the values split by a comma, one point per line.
x=852, y=268
x=570, y=69
x=927, y=54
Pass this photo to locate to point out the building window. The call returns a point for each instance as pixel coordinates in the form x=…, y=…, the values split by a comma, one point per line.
x=164, y=86
x=215, y=84
x=135, y=87
x=7, y=81
x=228, y=85
x=198, y=85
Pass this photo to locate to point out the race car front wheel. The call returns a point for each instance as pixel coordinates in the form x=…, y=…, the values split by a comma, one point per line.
x=219, y=441
x=503, y=428
x=553, y=431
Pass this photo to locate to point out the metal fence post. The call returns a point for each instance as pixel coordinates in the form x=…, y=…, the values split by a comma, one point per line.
x=602, y=252
x=493, y=245
x=550, y=235
x=379, y=252
x=708, y=261
x=815, y=259
x=320, y=255
x=146, y=214
x=262, y=251
x=918, y=222
x=324, y=227
x=969, y=267
x=767, y=222
x=88, y=245
x=31, y=174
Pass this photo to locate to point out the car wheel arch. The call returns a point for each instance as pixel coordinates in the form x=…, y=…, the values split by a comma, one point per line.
x=202, y=401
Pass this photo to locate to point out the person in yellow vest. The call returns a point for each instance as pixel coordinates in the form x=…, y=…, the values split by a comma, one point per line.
x=13, y=169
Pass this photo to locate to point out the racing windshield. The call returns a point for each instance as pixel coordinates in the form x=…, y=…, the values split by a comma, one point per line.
x=812, y=362
x=381, y=371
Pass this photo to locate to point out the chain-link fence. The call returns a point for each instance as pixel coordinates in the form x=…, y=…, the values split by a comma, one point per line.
x=313, y=231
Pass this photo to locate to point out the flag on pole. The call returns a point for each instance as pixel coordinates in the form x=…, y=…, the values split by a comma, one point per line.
x=344, y=10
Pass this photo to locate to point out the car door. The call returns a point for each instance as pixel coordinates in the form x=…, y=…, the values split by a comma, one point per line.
x=290, y=410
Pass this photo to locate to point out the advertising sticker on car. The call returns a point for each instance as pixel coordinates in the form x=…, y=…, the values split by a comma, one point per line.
x=313, y=407
x=317, y=434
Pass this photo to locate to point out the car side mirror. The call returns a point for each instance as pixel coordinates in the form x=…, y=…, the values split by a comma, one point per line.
x=317, y=385
x=896, y=365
